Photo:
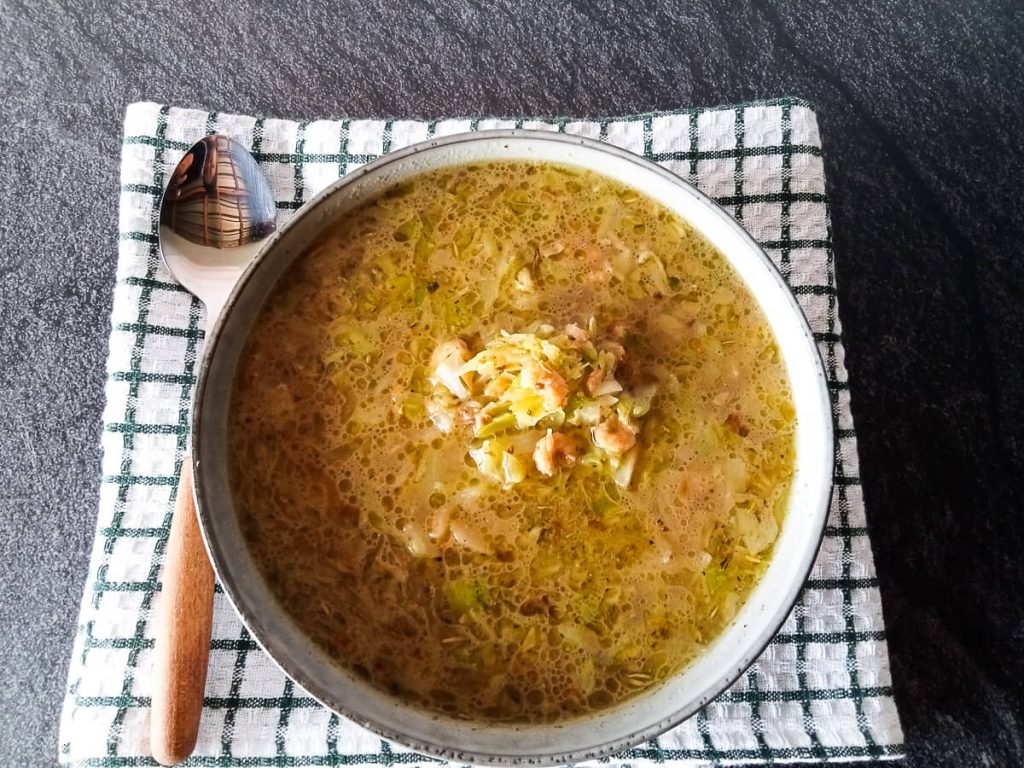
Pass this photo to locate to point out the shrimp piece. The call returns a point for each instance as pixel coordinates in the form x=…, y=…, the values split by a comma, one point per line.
x=551, y=249
x=593, y=381
x=552, y=451
x=738, y=423
x=549, y=383
x=467, y=413
x=578, y=336
x=524, y=280
x=496, y=387
x=470, y=536
x=599, y=268
x=445, y=363
x=615, y=348
x=613, y=436
x=447, y=349
x=439, y=523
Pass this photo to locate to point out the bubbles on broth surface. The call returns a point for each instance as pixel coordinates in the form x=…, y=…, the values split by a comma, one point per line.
x=557, y=596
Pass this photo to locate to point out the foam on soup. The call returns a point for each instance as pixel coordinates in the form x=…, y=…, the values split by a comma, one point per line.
x=511, y=441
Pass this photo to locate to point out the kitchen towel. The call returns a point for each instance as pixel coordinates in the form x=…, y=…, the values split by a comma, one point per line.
x=821, y=690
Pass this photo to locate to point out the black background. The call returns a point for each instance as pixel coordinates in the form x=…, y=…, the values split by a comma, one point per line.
x=921, y=106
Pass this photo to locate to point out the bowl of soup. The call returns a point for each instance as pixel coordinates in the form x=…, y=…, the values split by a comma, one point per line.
x=512, y=447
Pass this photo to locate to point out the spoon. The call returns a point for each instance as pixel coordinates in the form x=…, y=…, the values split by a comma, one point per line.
x=215, y=210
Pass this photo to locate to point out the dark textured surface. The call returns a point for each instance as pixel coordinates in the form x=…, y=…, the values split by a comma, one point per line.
x=921, y=107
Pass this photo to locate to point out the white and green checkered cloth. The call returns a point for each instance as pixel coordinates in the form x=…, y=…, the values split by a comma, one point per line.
x=821, y=691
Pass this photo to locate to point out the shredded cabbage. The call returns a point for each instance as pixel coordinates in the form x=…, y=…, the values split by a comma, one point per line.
x=520, y=386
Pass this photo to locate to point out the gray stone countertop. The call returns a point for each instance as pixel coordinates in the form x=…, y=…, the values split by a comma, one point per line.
x=921, y=106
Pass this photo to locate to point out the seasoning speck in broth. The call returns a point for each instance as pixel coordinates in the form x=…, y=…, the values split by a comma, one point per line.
x=512, y=441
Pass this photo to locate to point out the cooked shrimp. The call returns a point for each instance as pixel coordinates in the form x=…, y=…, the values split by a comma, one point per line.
x=445, y=363
x=524, y=280
x=738, y=423
x=452, y=348
x=548, y=383
x=577, y=335
x=496, y=387
x=593, y=381
x=599, y=268
x=470, y=536
x=439, y=522
x=467, y=413
x=552, y=451
x=551, y=249
x=615, y=348
x=614, y=436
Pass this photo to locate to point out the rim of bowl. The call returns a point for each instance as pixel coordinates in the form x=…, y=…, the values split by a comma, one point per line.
x=603, y=749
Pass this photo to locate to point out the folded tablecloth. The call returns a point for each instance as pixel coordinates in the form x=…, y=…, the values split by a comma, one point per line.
x=821, y=690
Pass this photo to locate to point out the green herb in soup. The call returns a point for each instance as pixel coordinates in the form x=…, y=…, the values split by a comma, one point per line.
x=511, y=441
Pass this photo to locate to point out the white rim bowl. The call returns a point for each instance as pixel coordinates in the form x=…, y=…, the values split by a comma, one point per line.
x=637, y=719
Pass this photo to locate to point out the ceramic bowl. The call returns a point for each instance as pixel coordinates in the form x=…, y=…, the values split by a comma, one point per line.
x=637, y=719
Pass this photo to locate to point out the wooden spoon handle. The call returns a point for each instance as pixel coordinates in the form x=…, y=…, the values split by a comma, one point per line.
x=184, y=621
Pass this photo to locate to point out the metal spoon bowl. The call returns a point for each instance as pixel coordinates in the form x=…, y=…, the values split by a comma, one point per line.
x=217, y=208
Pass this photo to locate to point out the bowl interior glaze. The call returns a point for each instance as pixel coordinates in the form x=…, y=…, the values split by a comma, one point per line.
x=637, y=719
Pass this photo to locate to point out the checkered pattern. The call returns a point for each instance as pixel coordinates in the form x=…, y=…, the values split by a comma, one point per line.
x=821, y=691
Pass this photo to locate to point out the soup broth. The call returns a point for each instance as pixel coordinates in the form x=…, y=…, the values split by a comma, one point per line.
x=511, y=441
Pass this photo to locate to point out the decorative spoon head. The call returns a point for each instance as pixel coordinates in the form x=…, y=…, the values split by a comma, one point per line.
x=218, y=197
x=215, y=211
